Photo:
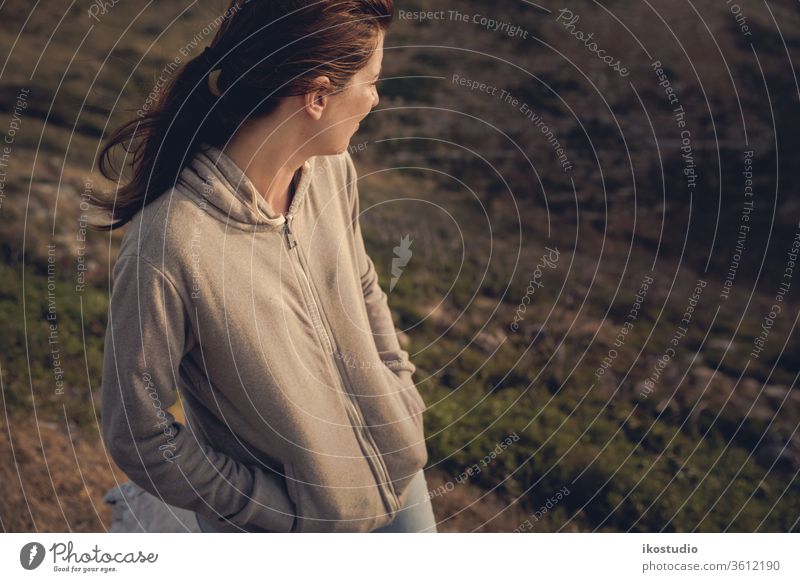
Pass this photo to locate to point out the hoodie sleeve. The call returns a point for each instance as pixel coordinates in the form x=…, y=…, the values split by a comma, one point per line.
x=380, y=317
x=147, y=336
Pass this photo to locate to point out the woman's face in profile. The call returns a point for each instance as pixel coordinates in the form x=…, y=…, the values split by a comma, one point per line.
x=348, y=107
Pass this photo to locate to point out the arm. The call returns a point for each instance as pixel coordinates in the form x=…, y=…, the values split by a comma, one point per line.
x=376, y=300
x=148, y=333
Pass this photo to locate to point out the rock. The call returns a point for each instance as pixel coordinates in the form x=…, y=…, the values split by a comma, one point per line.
x=135, y=510
x=490, y=340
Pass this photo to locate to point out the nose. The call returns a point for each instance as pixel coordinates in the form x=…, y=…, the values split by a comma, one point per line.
x=376, y=98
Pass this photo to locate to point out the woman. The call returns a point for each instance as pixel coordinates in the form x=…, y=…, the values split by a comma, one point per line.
x=242, y=281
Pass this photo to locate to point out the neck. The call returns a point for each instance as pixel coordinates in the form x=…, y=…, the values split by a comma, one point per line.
x=269, y=154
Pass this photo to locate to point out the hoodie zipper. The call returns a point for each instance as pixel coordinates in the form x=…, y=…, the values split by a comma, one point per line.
x=316, y=318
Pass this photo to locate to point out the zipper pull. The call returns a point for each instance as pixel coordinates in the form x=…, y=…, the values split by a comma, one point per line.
x=290, y=240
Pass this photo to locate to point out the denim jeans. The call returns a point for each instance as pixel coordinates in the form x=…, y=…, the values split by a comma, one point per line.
x=416, y=516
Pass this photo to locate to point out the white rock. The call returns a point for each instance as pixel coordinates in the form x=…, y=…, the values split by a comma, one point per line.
x=135, y=510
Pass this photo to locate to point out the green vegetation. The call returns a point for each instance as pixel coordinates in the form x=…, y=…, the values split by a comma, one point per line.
x=34, y=349
x=629, y=463
x=614, y=475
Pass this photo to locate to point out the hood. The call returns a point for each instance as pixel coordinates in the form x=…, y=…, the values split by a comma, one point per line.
x=217, y=184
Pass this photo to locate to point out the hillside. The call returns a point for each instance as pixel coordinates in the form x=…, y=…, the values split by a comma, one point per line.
x=650, y=429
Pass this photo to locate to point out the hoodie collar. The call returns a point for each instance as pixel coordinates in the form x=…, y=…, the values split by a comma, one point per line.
x=215, y=181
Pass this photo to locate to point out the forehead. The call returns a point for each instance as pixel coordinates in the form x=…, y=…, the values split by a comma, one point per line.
x=377, y=55
x=373, y=66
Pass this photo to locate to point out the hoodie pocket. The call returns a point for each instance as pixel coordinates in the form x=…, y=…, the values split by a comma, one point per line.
x=408, y=391
x=408, y=394
x=417, y=403
x=418, y=399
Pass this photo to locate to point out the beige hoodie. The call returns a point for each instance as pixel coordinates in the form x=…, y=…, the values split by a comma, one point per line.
x=301, y=411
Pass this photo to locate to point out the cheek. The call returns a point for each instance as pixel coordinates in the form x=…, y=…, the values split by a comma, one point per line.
x=365, y=98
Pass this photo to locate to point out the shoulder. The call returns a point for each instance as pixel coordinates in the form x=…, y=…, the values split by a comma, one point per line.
x=338, y=174
x=160, y=234
x=349, y=168
x=338, y=167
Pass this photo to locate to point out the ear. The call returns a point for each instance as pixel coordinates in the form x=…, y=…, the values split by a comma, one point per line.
x=317, y=100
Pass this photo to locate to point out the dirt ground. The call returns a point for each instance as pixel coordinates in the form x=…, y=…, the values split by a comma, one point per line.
x=53, y=478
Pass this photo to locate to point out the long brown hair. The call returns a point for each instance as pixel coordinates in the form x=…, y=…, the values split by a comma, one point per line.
x=266, y=50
